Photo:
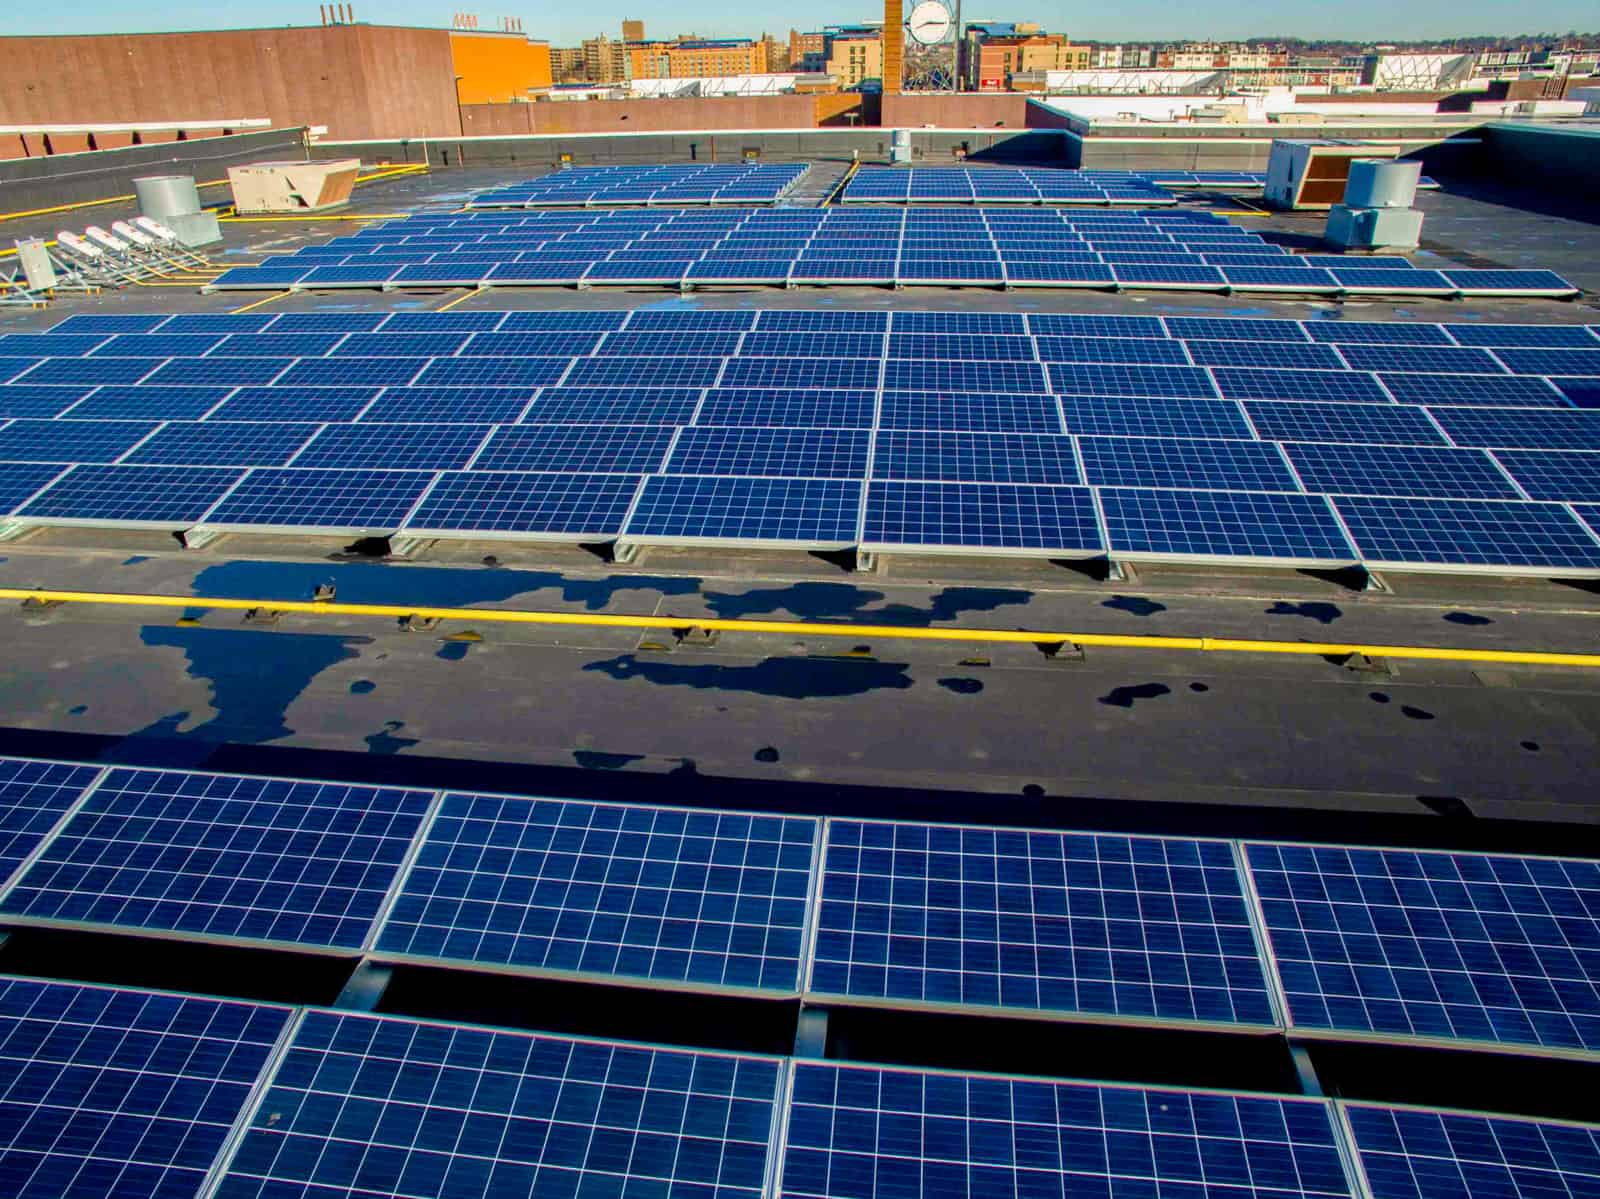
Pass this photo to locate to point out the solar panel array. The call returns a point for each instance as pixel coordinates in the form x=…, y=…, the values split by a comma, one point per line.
x=1396, y=445
x=1000, y=185
x=1179, y=250
x=155, y=1095
x=665, y=184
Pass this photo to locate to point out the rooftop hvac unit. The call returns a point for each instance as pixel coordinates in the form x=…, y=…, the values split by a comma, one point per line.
x=268, y=187
x=175, y=201
x=1377, y=213
x=1304, y=174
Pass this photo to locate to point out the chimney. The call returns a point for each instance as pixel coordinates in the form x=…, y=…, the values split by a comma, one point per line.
x=324, y=10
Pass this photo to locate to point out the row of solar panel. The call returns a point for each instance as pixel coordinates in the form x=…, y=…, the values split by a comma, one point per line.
x=1001, y=185
x=1398, y=945
x=777, y=320
x=157, y=1095
x=736, y=183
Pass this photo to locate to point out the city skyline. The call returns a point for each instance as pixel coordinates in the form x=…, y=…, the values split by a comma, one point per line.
x=1143, y=20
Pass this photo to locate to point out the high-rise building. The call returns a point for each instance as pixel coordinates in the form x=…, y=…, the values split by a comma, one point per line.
x=777, y=53
x=995, y=51
x=566, y=63
x=633, y=31
x=603, y=60
x=853, y=55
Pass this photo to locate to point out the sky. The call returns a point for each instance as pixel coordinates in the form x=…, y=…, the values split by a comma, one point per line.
x=566, y=23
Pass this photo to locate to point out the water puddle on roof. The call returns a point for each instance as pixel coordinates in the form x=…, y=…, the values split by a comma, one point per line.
x=779, y=678
x=1126, y=697
x=830, y=601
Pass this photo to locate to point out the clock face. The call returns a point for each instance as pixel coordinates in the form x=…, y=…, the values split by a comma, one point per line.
x=929, y=23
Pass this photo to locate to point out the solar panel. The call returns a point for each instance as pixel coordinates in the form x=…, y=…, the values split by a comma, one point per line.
x=224, y=856
x=610, y=449
x=613, y=406
x=1135, y=417
x=19, y=480
x=1468, y=533
x=994, y=516
x=341, y=501
x=19, y=399
x=574, y=321
x=70, y=441
x=353, y=372
x=1229, y=328
x=1054, y=324
x=1560, y=475
x=1185, y=462
x=525, y=504
x=802, y=453
x=106, y=326
x=1290, y=355
x=974, y=457
x=394, y=447
x=801, y=373
x=1543, y=361
x=367, y=1103
x=1496, y=428
x=1389, y=333
x=643, y=372
x=804, y=512
x=123, y=1092
x=514, y=345
x=443, y=322
x=328, y=322
x=959, y=322
x=78, y=370
x=1510, y=283
x=33, y=798
x=1344, y=387
x=400, y=345
x=277, y=345
x=690, y=319
x=1145, y=350
x=1393, y=281
x=1411, y=1153
x=806, y=321
x=1551, y=336
x=335, y=404
x=148, y=403
x=683, y=343
x=812, y=345
x=1400, y=470
x=223, y=443
x=1131, y=379
x=887, y=1133
x=1233, y=524
x=1491, y=390
x=146, y=495
x=448, y=405
x=1135, y=928
x=1182, y=278
x=217, y=372
x=1300, y=420
x=809, y=409
x=1432, y=359
x=1451, y=947
x=60, y=345
x=491, y=372
x=975, y=412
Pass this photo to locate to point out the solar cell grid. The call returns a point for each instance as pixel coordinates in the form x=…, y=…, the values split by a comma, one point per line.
x=1074, y=924
x=808, y=512
x=883, y=1133
x=974, y=457
x=217, y=372
x=224, y=856
x=1228, y=524
x=1299, y=420
x=1053, y=324
x=296, y=403
x=222, y=443
x=122, y=1092
x=976, y=412
x=70, y=441
x=795, y=453
x=628, y=449
x=1277, y=354
x=33, y=798
x=147, y=495
x=443, y=322
x=327, y=322
x=363, y=1104
x=20, y=399
x=689, y=320
x=1143, y=350
x=1491, y=390
x=516, y=322
x=1399, y=470
x=1429, y=359
x=613, y=406
x=1468, y=533
x=1579, y=337
x=1551, y=361
x=525, y=504
x=448, y=405
x=400, y=345
x=344, y=501
x=58, y=345
x=961, y=346
x=491, y=372
x=105, y=326
x=684, y=343
x=277, y=345
x=806, y=409
x=1185, y=462
x=77, y=370
x=1011, y=378
x=19, y=480
x=644, y=372
x=802, y=373
x=144, y=403
x=1020, y=517
x=958, y=322
x=1560, y=475
x=1135, y=417
x=1250, y=383
x=1499, y=428
x=1459, y=947
x=1226, y=328
x=1409, y=1153
x=351, y=372
x=136, y=345
x=1131, y=379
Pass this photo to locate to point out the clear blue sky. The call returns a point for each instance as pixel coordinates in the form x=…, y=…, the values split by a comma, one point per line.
x=565, y=23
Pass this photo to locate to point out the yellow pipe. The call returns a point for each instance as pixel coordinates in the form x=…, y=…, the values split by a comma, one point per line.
x=806, y=628
x=348, y=216
x=462, y=299
x=277, y=295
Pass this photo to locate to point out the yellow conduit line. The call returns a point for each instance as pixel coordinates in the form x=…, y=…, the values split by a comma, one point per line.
x=805, y=628
x=277, y=295
x=477, y=291
x=346, y=216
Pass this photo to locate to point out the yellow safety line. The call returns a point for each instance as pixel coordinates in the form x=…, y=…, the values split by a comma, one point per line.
x=344, y=216
x=477, y=291
x=805, y=628
x=277, y=295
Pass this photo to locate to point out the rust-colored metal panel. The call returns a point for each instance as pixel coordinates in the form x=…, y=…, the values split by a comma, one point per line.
x=965, y=111
x=674, y=116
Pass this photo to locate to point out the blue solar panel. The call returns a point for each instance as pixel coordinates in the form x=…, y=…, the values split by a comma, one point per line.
x=70, y=441
x=1491, y=282
x=443, y=322
x=1397, y=281
x=1135, y=928
x=802, y=453
x=644, y=372
x=969, y=412
x=491, y=372
x=1131, y=379
x=1388, y=333
x=19, y=399
x=812, y=344
x=122, y=1092
x=393, y=447
x=607, y=449
x=1146, y=350
x=1012, y=378
x=1207, y=524
x=1560, y=475
x=1062, y=271
x=710, y=899
x=223, y=443
x=526, y=504
x=1247, y=383
x=106, y=326
x=1551, y=361
x=1185, y=462
x=1377, y=424
x=1052, y=324
x=63, y=345
x=1414, y=1153
x=1230, y=328
x=448, y=405
x=613, y=406
x=149, y=403
x=33, y=798
x=1447, y=946
x=1133, y=417
x=1490, y=390
x=158, y=495
x=807, y=321
x=224, y=856
x=136, y=345
x=328, y=322
x=218, y=372
x=296, y=404
x=881, y=1133
x=545, y=321
x=1468, y=533
x=1399, y=470
x=353, y=501
x=519, y=345
x=1425, y=359
x=959, y=322
x=1506, y=428
x=1290, y=355
x=800, y=511
x=399, y=345
x=352, y=372
x=974, y=457
x=364, y=1105
x=996, y=516
x=79, y=370
x=807, y=409
x=682, y=344
x=801, y=373
x=1577, y=337
x=19, y=480
x=270, y=278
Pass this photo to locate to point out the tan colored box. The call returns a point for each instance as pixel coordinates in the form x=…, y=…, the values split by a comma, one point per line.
x=268, y=187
